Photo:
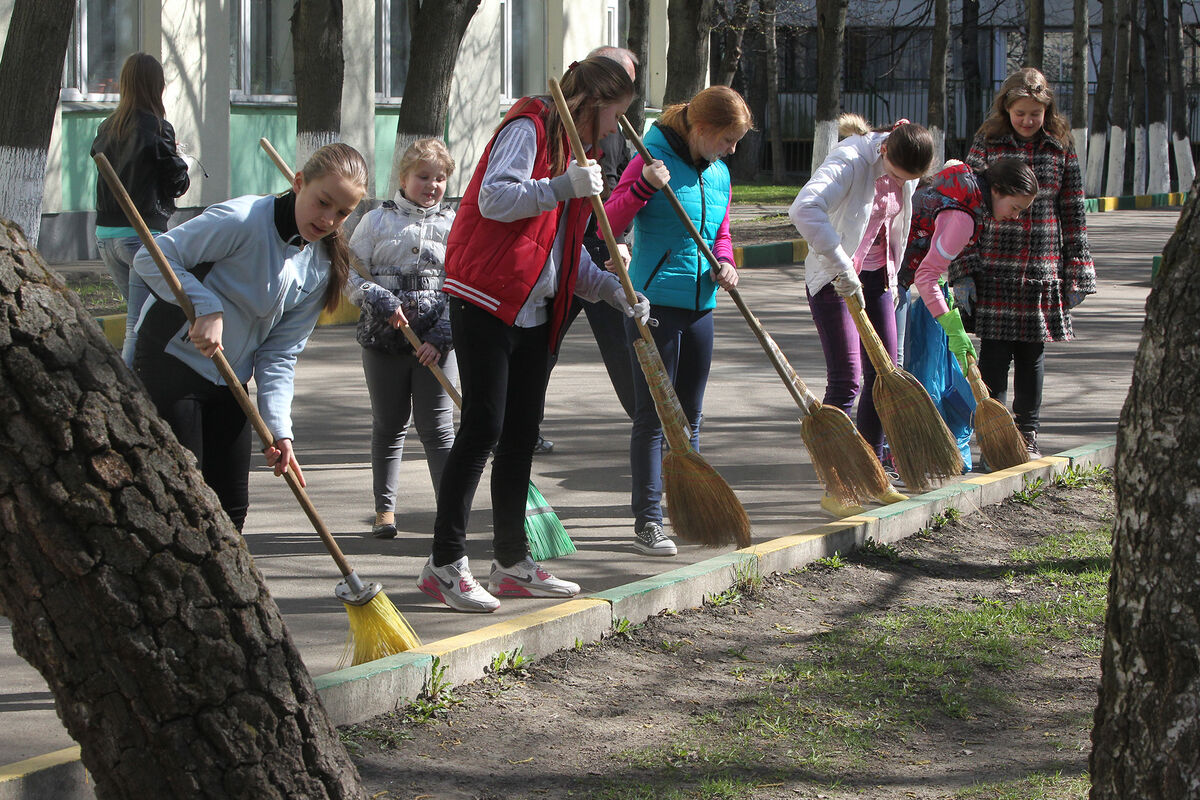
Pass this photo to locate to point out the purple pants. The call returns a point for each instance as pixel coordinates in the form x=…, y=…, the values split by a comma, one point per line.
x=847, y=368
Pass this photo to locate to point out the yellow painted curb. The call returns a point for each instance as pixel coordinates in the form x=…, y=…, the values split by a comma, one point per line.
x=1143, y=201
x=19, y=769
x=799, y=250
x=113, y=326
x=1028, y=466
x=345, y=312
x=531, y=620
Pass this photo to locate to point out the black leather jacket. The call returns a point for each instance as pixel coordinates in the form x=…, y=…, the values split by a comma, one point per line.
x=150, y=168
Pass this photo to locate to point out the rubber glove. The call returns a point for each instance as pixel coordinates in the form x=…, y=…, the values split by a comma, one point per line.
x=640, y=310
x=964, y=293
x=586, y=180
x=958, y=341
x=847, y=284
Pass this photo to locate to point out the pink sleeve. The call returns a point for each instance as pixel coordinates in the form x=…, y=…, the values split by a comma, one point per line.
x=632, y=192
x=951, y=231
x=723, y=244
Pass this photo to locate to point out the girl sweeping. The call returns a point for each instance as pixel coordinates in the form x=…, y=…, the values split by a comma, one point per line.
x=140, y=145
x=258, y=271
x=854, y=213
x=402, y=244
x=1026, y=275
x=948, y=216
x=688, y=142
x=514, y=259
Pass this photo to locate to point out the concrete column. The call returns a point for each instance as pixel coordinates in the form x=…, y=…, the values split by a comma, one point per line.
x=657, y=57
x=358, y=84
x=475, y=94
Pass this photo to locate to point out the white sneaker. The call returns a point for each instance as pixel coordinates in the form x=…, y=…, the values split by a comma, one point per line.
x=652, y=541
x=527, y=578
x=454, y=585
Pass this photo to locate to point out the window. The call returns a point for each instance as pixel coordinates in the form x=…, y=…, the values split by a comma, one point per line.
x=105, y=33
x=523, y=48
x=615, y=23
x=260, y=40
x=393, y=35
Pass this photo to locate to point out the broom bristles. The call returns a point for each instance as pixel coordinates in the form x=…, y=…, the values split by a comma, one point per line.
x=999, y=440
x=377, y=630
x=844, y=462
x=543, y=529
x=922, y=445
x=702, y=507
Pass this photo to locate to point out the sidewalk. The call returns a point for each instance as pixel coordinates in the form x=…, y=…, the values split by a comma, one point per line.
x=751, y=437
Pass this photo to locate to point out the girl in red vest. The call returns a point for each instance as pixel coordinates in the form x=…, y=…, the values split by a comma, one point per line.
x=514, y=259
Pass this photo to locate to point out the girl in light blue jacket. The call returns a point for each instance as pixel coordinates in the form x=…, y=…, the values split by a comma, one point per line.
x=258, y=271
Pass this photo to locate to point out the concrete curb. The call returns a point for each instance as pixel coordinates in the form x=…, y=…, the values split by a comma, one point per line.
x=1129, y=202
x=358, y=693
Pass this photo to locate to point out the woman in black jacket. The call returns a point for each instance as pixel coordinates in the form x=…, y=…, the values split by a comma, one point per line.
x=140, y=145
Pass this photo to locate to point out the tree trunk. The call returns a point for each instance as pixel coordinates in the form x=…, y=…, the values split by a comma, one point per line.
x=1146, y=734
x=1120, y=104
x=972, y=81
x=30, y=77
x=752, y=83
x=771, y=55
x=180, y=679
x=1137, y=94
x=320, y=68
x=1080, y=54
x=638, y=41
x=1035, y=23
x=831, y=35
x=733, y=32
x=689, y=23
x=1158, y=156
x=937, y=80
x=1185, y=169
x=1094, y=182
x=437, y=33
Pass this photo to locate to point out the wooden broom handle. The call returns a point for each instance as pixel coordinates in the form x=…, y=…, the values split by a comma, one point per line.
x=564, y=112
x=223, y=366
x=870, y=339
x=801, y=393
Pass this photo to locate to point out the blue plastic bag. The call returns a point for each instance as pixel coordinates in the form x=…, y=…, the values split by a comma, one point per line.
x=927, y=356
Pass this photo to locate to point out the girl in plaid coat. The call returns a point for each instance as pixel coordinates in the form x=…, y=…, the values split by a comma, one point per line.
x=1026, y=274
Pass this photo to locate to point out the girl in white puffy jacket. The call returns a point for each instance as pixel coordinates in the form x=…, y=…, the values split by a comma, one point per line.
x=403, y=246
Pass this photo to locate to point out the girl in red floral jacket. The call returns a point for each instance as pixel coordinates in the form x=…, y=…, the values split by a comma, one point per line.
x=1026, y=274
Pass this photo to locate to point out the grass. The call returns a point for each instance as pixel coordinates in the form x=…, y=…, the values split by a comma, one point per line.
x=767, y=194
x=1037, y=786
x=100, y=296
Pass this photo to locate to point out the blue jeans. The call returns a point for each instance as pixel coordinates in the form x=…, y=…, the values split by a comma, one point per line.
x=685, y=342
x=117, y=255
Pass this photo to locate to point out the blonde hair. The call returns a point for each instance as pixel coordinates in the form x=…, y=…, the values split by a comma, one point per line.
x=1022, y=84
x=852, y=125
x=344, y=161
x=431, y=150
x=715, y=109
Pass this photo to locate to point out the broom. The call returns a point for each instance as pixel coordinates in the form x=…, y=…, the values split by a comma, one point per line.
x=999, y=440
x=843, y=461
x=701, y=505
x=921, y=443
x=543, y=530
x=377, y=628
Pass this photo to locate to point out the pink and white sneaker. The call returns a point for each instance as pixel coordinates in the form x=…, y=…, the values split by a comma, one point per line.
x=455, y=586
x=527, y=578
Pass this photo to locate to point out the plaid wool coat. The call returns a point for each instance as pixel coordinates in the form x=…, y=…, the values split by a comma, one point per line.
x=1024, y=268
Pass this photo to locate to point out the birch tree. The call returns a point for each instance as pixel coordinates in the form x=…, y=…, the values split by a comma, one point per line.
x=1158, y=155
x=1181, y=142
x=1137, y=94
x=1119, y=119
x=1080, y=55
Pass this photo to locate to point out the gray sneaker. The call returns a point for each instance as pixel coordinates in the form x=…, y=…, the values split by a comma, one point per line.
x=652, y=541
x=454, y=585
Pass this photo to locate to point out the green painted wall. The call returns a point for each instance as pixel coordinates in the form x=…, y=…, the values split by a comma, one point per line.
x=78, y=170
x=251, y=171
x=385, y=143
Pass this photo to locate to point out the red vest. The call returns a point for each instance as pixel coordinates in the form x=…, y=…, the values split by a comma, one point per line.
x=956, y=187
x=494, y=265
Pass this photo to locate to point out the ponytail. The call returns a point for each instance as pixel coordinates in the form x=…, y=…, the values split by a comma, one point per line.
x=343, y=160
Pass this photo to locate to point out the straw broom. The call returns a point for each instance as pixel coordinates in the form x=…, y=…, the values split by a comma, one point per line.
x=701, y=505
x=843, y=461
x=999, y=440
x=543, y=529
x=921, y=443
x=377, y=628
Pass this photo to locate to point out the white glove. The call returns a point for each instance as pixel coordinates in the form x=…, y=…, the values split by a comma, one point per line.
x=847, y=284
x=585, y=180
x=640, y=310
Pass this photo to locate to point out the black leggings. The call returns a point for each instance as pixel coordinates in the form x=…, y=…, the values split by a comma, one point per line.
x=1029, y=370
x=503, y=372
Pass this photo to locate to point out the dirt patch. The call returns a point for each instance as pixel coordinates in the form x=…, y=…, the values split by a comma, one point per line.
x=964, y=656
x=765, y=230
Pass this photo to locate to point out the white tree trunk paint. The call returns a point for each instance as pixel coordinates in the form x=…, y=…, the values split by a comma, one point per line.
x=1080, y=138
x=1159, y=181
x=824, y=139
x=1116, y=162
x=939, y=148
x=1185, y=168
x=1139, y=160
x=403, y=142
x=22, y=175
x=310, y=142
x=1093, y=184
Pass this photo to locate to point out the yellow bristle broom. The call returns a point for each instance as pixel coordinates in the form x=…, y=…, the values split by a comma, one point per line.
x=543, y=529
x=921, y=443
x=377, y=628
x=999, y=440
x=701, y=505
x=843, y=461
